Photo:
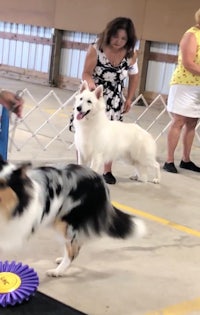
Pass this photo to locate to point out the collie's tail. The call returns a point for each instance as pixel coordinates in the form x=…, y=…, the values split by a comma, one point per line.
x=123, y=225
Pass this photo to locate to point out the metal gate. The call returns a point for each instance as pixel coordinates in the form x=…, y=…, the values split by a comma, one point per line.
x=43, y=133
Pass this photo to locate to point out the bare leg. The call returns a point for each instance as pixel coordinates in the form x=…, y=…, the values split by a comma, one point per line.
x=174, y=135
x=108, y=167
x=108, y=177
x=188, y=137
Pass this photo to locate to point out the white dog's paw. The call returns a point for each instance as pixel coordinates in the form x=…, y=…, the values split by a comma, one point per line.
x=142, y=179
x=54, y=273
x=138, y=178
x=59, y=260
x=156, y=181
x=134, y=177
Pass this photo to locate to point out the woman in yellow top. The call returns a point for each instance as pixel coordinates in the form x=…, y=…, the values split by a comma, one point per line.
x=184, y=98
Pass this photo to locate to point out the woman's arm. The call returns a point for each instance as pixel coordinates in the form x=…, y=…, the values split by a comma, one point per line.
x=188, y=47
x=132, y=84
x=89, y=66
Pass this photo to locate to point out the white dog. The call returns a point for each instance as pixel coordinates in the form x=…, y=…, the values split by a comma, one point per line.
x=99, y=140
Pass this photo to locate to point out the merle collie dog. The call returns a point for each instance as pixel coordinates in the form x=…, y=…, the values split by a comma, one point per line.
x=74, y=200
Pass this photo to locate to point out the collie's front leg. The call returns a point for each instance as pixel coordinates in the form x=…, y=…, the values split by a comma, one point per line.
x=71, y=249
x=63, y=264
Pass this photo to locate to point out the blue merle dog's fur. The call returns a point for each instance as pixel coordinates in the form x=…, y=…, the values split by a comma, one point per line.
x=73, y=199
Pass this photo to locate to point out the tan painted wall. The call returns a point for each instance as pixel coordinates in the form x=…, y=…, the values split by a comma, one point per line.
x=36, y=12
x=166, y=20
x=157, y=20
x=91, y=16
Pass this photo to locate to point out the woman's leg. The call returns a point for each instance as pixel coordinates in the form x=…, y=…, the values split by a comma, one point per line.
x=107, y=174
x=108, y=168
x=188, y=137
x=172, y=141
x=174, y=135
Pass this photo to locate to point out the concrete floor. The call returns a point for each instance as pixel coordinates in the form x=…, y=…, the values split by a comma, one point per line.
x=156, y=275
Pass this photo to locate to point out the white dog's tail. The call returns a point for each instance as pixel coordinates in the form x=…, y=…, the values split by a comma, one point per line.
x=123, y=225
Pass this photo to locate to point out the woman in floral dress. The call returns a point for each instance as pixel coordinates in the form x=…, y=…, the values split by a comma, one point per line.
x=109, y=62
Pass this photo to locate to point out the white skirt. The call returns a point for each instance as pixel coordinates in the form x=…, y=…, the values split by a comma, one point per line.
x=184, y=100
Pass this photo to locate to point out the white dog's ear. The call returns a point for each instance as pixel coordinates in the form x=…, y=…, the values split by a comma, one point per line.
x=84, y=86
x=99, y=91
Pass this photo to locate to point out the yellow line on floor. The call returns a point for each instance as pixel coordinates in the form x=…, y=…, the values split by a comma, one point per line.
x=154, y=218
x=184, y=308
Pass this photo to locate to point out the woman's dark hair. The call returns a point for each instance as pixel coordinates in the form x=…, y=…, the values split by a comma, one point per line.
x=111, y=29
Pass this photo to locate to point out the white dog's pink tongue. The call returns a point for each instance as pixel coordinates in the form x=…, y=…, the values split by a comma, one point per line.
x=79, y=116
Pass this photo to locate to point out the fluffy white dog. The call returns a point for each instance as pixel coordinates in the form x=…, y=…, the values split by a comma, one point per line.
x=99, y=140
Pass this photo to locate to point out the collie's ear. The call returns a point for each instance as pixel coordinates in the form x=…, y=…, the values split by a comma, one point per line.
x=25, y=167
x=22, y=169
x=99, y=91
x=84, y=86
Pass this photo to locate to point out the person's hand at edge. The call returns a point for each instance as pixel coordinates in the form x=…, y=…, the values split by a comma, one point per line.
x=12, y=102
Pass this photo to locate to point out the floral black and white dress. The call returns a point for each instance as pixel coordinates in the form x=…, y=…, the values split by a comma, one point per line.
x=112, y=78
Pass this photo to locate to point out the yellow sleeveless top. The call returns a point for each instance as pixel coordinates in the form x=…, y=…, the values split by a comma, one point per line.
x=181, y=75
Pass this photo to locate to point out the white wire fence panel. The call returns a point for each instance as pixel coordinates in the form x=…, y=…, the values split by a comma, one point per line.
x=79, y=37
x=158, y=77
x=164, y=48
x=152, y=117
x=22, y=53
x=159, y=73
x=70, y=62
x=72, y=59
x=43, y=133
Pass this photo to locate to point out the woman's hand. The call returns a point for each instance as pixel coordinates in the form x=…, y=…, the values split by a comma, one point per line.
x=127, y=106
x=12, y=102
x=92, y=85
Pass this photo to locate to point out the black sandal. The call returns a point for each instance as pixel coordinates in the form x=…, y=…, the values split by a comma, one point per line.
x=189, y=166
x=109, y=178
x=170, y=167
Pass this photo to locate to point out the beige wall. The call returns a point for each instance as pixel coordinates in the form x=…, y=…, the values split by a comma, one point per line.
x=91, y=16
x=36, y=12
x=165, y=21
x=157, y=20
